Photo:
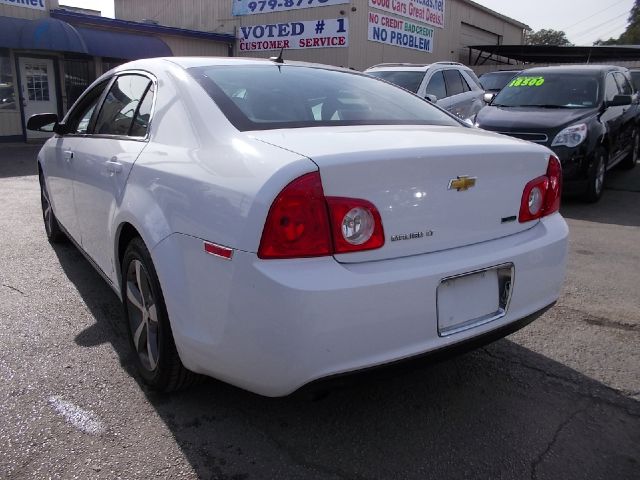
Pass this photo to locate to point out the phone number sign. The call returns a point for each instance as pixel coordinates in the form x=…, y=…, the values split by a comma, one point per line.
x=325, y=33
x=425, y=11
x=253, y=7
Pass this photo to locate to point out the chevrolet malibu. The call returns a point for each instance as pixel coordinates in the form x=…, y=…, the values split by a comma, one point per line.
x=271, y=223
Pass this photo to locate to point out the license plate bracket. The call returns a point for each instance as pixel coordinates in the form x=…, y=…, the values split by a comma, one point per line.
x=472, y=299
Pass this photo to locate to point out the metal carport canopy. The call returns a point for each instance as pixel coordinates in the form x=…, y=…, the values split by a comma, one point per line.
x=554, y=53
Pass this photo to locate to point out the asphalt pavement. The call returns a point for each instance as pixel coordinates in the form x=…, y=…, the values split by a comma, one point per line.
x=559, y=399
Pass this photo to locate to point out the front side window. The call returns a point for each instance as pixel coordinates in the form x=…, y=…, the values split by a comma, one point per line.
x=610, y=88
x=623, y=84
x=635, y=78
x=551, y=90
x=121, y=105
x=79, y=119
x=7, y=90
x=454, y=82
x=260, y=97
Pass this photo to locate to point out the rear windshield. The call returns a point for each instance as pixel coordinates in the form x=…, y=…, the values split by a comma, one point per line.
x=261, y=97
x=552, y=90
x=408, y=80
x=496, y=80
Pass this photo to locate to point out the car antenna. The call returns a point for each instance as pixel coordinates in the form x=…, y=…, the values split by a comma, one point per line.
x=279, y=58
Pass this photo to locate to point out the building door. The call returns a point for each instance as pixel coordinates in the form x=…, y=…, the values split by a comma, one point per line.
x=38, y=85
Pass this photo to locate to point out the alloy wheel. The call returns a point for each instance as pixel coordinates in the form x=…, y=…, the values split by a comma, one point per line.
x=143, y=315
x=47, y=213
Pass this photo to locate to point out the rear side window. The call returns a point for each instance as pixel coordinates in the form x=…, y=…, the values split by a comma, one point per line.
x=474, y=78
x=454, y=82
x=121, y=105
x=436, y=86
x=143, y=116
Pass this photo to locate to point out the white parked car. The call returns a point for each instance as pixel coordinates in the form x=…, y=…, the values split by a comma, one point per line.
x=270, y=224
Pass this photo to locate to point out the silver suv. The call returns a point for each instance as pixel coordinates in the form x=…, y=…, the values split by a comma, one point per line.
x=450, y=85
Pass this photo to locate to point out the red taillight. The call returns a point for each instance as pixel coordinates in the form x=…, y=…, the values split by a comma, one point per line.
x=541, y=196
x=298, y=223
x=355, y=224
x=303, y=223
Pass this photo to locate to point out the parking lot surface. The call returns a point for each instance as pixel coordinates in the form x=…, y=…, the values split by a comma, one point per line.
x=559, y=399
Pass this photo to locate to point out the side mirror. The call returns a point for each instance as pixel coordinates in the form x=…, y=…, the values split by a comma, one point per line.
x=431, y=98
x=43, y=122
x=620, y=100
x=488, y=97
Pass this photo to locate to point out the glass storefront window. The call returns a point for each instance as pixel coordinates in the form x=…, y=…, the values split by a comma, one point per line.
x=109, y=63
x=78, y=75
x=7, y=90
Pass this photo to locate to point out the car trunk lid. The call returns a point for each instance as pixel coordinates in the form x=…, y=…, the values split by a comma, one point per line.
x=416, y=177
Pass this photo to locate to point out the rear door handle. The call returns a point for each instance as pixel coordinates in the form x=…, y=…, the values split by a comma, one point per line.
x=113, y=166
x=68, y=155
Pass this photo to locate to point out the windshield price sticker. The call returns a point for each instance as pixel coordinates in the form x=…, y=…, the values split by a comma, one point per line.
x=527, y=82
x=324, y=33
x=253, y=7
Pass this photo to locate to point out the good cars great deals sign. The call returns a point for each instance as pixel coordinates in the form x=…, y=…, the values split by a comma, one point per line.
x=399, y=32
x=425, y=11
x=324, y=33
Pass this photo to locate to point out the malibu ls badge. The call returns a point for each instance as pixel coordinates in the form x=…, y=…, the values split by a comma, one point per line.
x=462, y=183
x=411, y=236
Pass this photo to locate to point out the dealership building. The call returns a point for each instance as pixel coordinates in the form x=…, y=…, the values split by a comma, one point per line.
x=49, y=54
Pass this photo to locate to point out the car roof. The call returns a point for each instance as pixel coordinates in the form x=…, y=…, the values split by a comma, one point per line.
x=417, y=67
x=190, y=62
x=501, y=71
x=573, y=69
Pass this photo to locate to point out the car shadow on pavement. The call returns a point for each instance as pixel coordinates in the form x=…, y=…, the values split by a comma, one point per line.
x=499, y=412
x=18, y=160
x=613, y=208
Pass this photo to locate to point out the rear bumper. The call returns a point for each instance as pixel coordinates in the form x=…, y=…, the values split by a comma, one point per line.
x=392, y=369
x=273, y=326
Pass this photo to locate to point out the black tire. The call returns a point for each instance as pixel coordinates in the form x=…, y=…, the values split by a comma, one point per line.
x=632, y=159
x=51, y=225
x=597, y=173
x=150, y=336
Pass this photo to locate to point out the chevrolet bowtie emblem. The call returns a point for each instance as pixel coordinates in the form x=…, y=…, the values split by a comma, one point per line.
x=462, y=183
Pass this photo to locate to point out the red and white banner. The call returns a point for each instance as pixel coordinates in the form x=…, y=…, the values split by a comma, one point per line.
x=430, y=12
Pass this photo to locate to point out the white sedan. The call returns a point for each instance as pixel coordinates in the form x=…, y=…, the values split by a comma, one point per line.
x=270, y=224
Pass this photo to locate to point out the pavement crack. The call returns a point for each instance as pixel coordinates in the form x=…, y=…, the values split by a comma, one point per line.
x=14, y=289
x=538, y=460
x=576, y=387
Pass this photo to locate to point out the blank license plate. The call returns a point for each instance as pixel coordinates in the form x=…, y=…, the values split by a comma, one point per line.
x=465, y=300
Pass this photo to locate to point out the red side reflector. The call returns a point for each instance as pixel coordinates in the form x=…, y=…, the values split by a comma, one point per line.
x=218, y=250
